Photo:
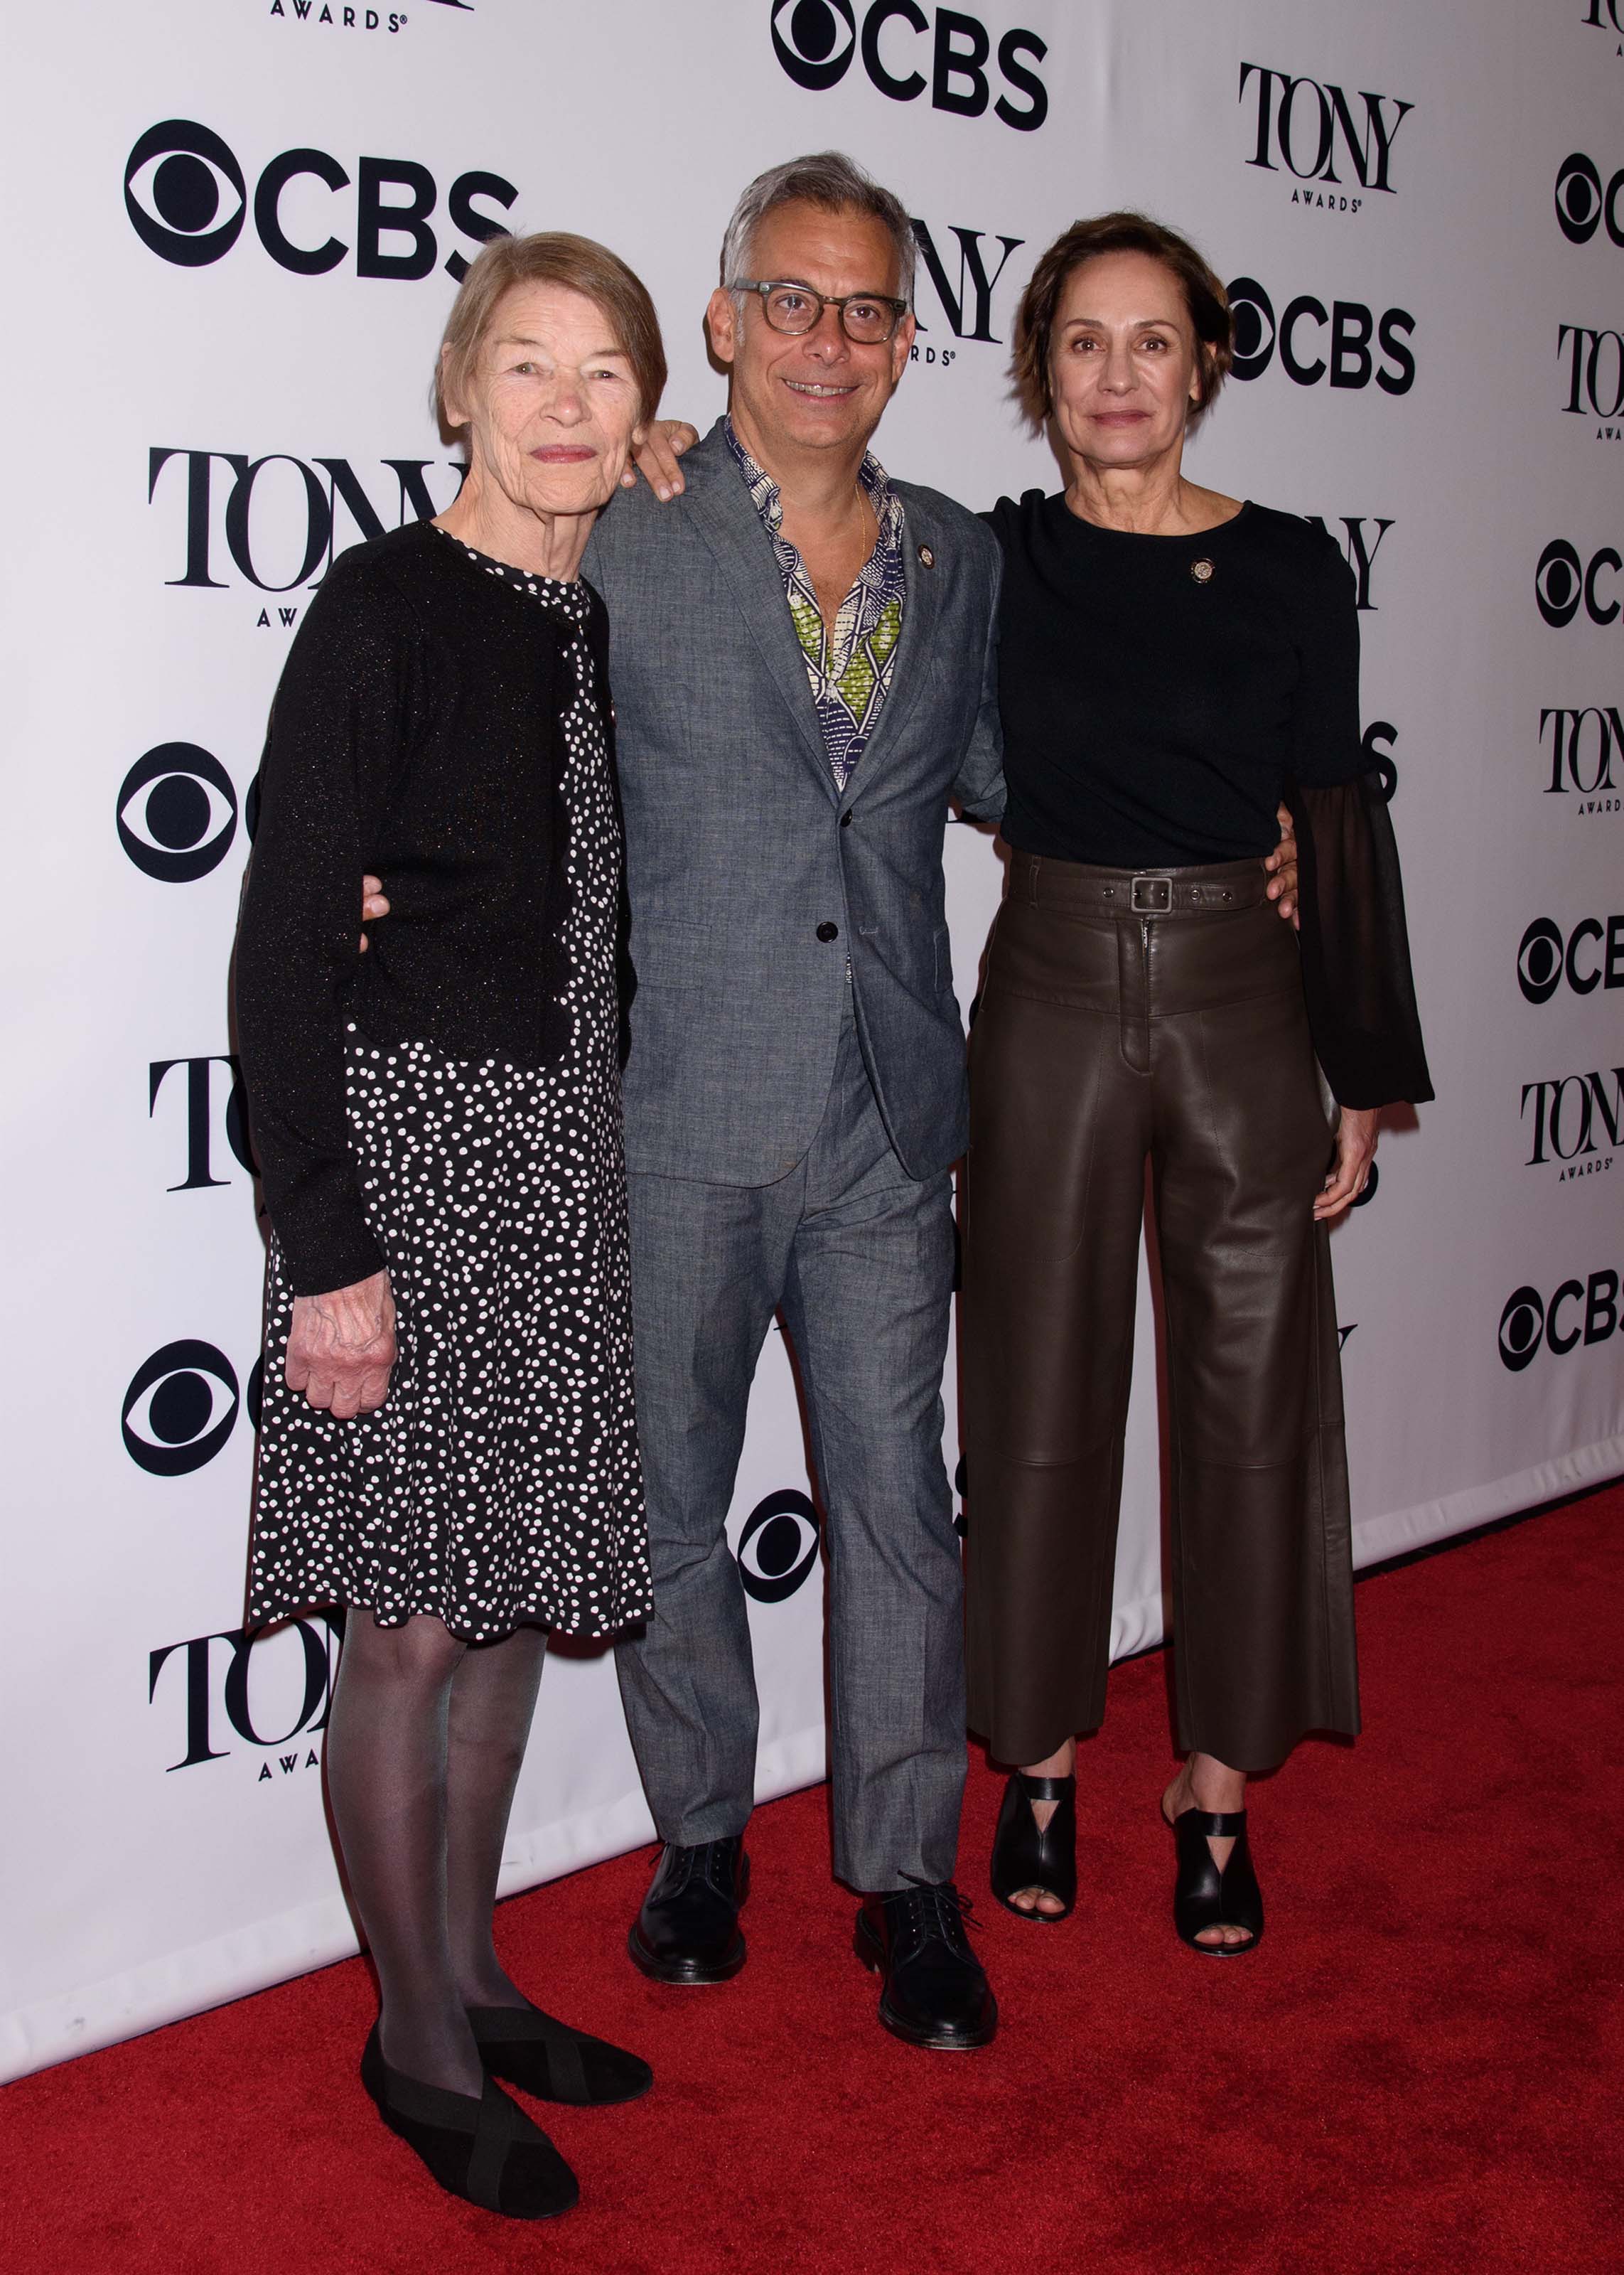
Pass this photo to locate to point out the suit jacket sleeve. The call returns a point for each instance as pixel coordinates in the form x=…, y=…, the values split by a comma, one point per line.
x=979, y=786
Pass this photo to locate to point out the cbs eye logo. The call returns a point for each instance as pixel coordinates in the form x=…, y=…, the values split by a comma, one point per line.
x=778, y=1546
x=179, y=185
x=1522, y=1323
x=1583, y=206
x=1539, y=960
x=177, y=812
x=813, y=39
x=181, y=1407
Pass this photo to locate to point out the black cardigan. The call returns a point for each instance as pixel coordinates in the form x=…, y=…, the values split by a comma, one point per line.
x=415, y=735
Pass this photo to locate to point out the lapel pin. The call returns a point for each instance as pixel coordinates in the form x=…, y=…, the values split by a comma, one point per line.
x=927, y=556
x=1202, y=571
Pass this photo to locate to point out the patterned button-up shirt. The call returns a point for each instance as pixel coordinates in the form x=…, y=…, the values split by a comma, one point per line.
x=848, y=667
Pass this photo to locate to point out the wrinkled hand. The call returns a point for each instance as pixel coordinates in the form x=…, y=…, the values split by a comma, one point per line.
x=341, y=1347
x=1356, y=1150
x=372, y=905
x=656, y=456
x=1282, y=867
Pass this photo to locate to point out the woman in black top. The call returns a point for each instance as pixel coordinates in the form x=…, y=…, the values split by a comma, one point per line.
x=448, y=1445
x=1172, y=663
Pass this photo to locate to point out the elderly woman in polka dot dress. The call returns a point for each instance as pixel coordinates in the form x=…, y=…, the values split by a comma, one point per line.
x=448, y=1444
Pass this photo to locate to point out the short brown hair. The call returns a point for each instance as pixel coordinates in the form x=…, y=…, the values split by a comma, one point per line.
x=1205, y=297
x=549, y=257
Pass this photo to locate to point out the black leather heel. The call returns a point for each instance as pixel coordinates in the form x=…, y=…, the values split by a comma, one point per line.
x=1025, y=1857
x=482, y=2148
x=1202, y=1896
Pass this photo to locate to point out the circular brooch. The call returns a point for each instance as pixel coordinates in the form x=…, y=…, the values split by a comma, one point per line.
x=1202, y=571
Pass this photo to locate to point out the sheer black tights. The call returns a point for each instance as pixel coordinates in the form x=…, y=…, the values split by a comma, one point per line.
x=423, y=1751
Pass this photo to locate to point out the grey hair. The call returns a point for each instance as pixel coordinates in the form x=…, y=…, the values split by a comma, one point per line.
x=835, y=184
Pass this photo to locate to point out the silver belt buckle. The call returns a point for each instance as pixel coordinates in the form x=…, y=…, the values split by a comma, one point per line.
x=1150, y=896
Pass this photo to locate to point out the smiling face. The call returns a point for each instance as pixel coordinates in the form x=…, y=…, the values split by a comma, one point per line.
x=550, y=408
x=1124, y=368
x=814, y=390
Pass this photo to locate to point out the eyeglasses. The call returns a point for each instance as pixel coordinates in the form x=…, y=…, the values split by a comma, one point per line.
x=867, y=318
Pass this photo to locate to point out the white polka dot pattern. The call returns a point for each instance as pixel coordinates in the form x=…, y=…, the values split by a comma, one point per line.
x=499, y=1482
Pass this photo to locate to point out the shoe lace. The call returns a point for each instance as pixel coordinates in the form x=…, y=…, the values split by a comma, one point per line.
x=937, y=1911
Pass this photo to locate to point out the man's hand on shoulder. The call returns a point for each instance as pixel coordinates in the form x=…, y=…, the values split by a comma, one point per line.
x=374, y=906
x=664, y=442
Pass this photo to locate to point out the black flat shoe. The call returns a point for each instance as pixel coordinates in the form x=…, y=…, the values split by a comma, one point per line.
x=483, y=2149
x=688, y=1930
x=1204, y=1897
x=530, y=2050
x=934, y=1992
x=1025, y=1856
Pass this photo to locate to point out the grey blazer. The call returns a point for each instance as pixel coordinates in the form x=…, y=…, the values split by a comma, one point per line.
x=750, y=879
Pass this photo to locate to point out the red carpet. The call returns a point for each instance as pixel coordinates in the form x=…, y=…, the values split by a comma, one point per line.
x=1420, y=2068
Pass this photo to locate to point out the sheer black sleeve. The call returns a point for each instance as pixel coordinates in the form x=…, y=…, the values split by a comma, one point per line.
x=335, y=732
x=1355, y=949
x=1356, y=946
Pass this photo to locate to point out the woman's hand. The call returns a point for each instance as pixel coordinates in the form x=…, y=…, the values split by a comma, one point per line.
x=1356, y=1150
x=1282, y=867
x=655, y=457
x=341, y=1347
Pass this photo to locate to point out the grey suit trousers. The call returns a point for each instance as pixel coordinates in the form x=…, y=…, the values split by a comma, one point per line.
x=859, y=1257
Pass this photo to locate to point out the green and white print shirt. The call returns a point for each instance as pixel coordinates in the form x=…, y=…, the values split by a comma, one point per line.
x=850, y=669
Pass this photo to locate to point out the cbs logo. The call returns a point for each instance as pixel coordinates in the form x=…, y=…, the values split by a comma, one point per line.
x=778, y=1546
x=1545, y=958
x=1349, y=362
x=188, y=199
x=1583, y=206
x=182, y=1406
x=815, y=41
x=1563, y=583
x=1527, y=1320
x=177, y=812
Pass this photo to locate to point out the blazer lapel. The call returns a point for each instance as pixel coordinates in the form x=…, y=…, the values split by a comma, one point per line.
x=915, y=650
x=732, y=528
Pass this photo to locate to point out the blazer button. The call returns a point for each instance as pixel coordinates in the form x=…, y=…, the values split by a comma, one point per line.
x=845, y=820
x=829, y=931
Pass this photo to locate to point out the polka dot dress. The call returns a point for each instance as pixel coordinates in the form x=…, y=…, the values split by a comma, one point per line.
x=499, y=1482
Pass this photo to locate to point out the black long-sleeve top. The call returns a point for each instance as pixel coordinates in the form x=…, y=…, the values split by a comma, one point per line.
x=1160, y=695
x=415, y=734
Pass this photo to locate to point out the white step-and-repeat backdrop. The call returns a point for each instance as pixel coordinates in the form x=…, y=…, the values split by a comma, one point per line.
x=236, y=228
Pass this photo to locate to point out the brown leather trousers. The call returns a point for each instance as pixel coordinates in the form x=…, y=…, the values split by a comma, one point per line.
x=1125, y=1021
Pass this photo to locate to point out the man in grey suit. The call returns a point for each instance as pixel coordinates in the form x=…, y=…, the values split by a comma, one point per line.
x=802, y=662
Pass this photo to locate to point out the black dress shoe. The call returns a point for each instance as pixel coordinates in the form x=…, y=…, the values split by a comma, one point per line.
x=935, y=1993
x=688, y=1930
x=481, y=2146
x=526, y=2048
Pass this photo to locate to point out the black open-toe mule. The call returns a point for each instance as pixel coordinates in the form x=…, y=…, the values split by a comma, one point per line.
x=529, y=2049
x=482, y=2148
x=1025, y=1856
x=1202, y=1896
